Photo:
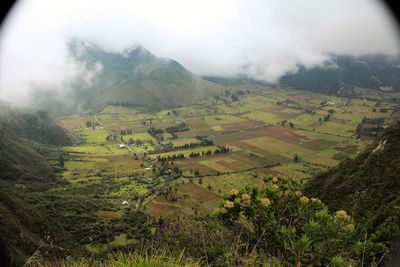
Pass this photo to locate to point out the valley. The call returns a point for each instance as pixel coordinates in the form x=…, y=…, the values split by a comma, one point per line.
x=133, y=167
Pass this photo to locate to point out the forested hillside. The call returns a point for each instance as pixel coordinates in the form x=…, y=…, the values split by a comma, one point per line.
x=368, y=186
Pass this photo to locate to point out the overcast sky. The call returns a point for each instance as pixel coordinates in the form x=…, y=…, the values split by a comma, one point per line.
x=263, y=39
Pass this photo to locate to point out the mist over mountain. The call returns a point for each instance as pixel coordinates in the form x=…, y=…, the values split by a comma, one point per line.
x=343, y=72
x=135, y=78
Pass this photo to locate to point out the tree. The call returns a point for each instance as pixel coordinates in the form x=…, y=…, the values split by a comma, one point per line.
x=296, y=158
x=61, y=161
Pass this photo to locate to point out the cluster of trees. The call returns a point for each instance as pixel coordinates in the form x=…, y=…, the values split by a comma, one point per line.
x=381, y=110
x=181, y=127
x=111, y=137
x=126, y=131
x=149, y=121
x=139, y=142
x=222, y=149
x=92, y=124
x=287, y=123
x=155, y=131
x=327, y=117
x=234, y=96
x=205, y=142
x=125, y=104
x=219, y=150
x=167, y=147
x=165, y=169
x=289, y=103
x=372, y=131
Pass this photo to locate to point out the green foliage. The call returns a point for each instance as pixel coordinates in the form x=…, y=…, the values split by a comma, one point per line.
x=367, y=186
x=19, y=159
x=285, y=223
x=23, y=228
x=38, y=126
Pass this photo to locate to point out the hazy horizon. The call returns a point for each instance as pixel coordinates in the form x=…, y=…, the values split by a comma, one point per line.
x=261, y=39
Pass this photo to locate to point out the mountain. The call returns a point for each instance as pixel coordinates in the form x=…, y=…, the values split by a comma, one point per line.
x=342, y=73
x=135, y=78
x=368, y=186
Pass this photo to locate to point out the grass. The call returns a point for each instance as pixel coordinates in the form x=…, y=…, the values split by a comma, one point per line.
x=216, y=164
x=264, y=117
x=136, y=259
x=278, y=147
x=221, y=184
x=99, y=150
x=133, y=188
x=184, y=141
x=337, y=129
x=122, y=241
x=305, y=121
x=97, y=135
x=222, y=119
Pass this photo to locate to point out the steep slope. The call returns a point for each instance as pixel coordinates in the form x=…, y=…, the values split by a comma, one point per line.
x=20, y=132
x=37, y=126
x=343, y=72
x=23, y=228
x=367, y=186
x=136, y=78
x=19, y=160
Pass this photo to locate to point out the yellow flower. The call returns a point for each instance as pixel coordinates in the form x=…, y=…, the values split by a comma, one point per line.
x=275, y=179
x=265, y=202
x=315, y=200
x=298, y=193
x=342, y=214
x=274, y=187
x=237, y=200
x=233, y=192
x=304, y=200
x=229, y=204
x=246, y=199
x=350, y=227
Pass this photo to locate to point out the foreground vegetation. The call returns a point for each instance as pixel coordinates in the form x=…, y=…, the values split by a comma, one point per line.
x=272, y=225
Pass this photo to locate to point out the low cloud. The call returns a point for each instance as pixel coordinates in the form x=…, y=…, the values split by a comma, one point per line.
x=262, y=39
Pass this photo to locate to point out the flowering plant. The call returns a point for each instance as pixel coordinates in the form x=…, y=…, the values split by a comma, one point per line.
x=284, y=222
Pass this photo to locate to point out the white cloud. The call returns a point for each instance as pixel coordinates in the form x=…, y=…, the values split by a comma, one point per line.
x=263, y=39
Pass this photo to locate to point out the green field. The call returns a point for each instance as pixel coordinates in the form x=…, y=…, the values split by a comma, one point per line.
x=256, y=129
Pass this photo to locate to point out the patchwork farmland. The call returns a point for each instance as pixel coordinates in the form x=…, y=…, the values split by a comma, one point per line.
x=182, y=161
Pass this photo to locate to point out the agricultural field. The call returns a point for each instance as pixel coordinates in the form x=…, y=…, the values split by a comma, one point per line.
x=182, y=161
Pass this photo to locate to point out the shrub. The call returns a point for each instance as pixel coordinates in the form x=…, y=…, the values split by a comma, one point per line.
x=286, y=224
